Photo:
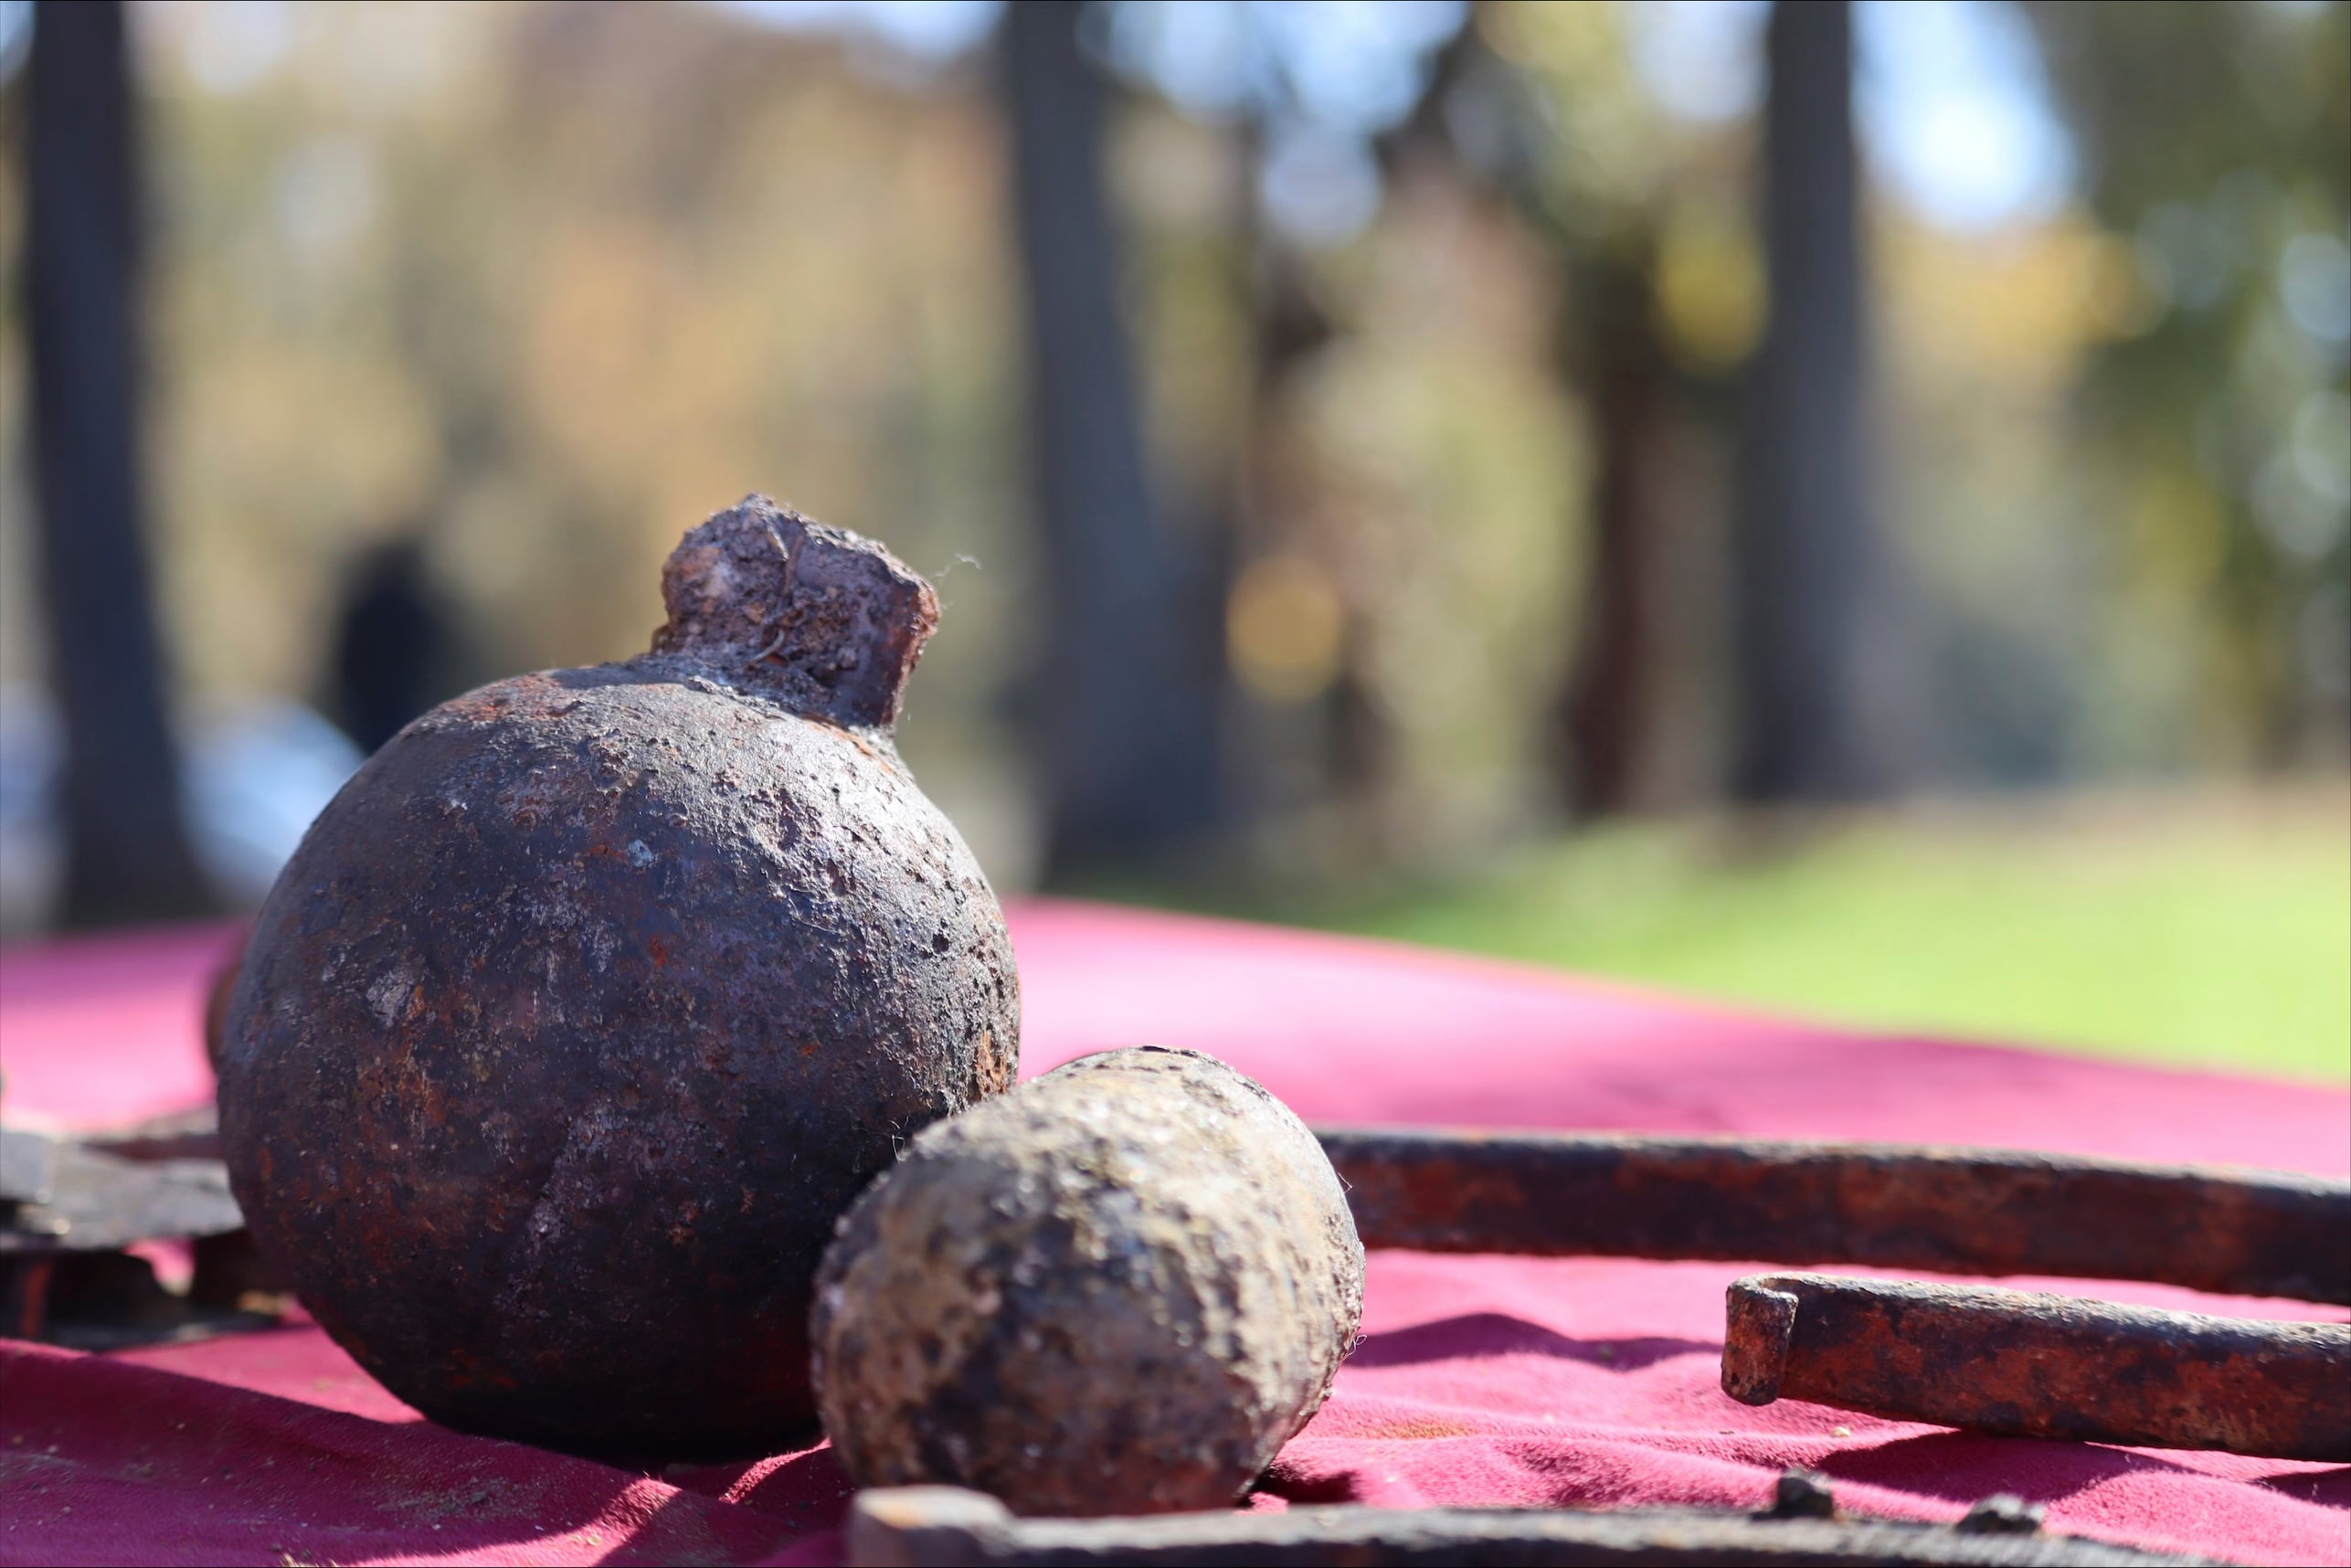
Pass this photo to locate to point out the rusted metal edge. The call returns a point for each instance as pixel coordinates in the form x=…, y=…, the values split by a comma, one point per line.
x=946, y=1527
x=2024, y=1364
x=98, y=1203
x=192, y=1134
x=111, y=1301
x=1960, y=1210
x=66, y=1277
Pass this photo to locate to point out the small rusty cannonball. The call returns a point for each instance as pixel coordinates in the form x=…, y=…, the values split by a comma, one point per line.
x=595, y=997
x=1118, y=1289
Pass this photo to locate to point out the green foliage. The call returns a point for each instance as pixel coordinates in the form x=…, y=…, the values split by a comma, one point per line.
x=2194, y=933
x=2213, y=140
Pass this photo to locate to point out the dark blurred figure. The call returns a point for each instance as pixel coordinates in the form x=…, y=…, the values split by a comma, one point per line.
x=393, y=645
x=127, y=852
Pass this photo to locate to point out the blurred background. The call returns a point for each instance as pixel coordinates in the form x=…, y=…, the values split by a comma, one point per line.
x=1837, y=506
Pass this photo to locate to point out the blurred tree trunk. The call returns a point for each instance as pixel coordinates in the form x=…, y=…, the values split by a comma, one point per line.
x=1130, y=682
x=1606, y=345
x=1810, y=575
x=126, y=843
x=1610, y=690
x=1340, y=741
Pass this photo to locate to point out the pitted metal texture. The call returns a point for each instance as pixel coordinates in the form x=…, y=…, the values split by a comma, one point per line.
x=594, y=998
x=1118, y=1289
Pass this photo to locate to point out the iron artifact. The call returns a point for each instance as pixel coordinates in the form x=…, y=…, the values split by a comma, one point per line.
x=946, y=1526
x=2030, y=1365
x=1118, y=1289
x=1958, y=1211
x=594, y=998
x=69, y=1211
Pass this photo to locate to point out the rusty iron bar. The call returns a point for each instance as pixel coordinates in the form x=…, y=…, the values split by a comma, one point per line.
x=2019, y=1363
x=946, y=1527
x=1958, y=1211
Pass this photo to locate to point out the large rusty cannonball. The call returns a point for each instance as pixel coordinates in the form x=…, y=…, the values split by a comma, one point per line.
x=596, y=995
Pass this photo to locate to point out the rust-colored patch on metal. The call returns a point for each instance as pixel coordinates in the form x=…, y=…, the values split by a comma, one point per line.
x=2025, y=1364
x=1957, y=1210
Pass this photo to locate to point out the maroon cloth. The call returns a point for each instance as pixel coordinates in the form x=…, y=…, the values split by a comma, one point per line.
x=1481, y=1380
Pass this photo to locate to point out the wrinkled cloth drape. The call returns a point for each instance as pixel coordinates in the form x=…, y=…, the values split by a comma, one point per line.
x=1583, y=1382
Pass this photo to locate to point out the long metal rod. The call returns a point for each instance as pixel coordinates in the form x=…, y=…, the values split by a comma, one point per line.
x=1957, y=1210
x=945, y=1526
x=2019, y=1363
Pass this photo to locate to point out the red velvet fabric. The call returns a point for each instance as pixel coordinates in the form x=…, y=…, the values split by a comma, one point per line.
x=1481, y=1380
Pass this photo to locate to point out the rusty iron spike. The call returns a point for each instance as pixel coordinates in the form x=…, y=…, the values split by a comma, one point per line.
x=1959, y=1211
x=2019, y=1363
x=946, y=1526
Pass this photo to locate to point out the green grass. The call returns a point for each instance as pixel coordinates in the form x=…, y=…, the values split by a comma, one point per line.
x=2185, y=931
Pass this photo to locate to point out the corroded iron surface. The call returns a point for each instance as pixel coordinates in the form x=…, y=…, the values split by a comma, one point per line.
x=592, y=999
x=1959, y=1211
x=945, y=1526
x=1118, y=1289
x=2031, y=1366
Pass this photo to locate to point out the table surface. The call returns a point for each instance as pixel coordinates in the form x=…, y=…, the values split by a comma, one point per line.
x=1481, y=1380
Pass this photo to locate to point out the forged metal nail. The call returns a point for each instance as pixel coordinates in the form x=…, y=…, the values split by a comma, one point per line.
x=1955, y=1210
x=2023, y=1364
